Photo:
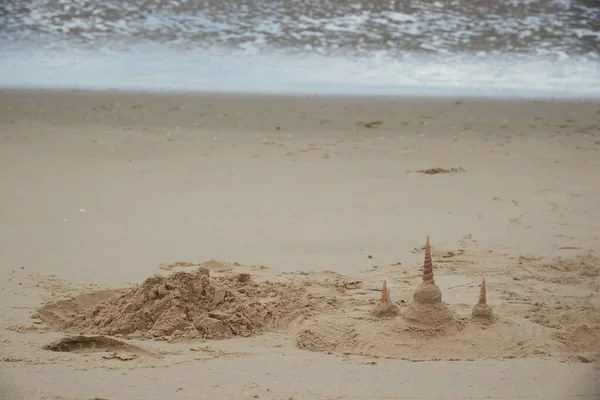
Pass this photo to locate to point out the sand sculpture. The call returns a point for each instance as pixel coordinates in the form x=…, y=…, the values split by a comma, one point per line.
x=482, y=310
x=385, y=307
x=427, y=311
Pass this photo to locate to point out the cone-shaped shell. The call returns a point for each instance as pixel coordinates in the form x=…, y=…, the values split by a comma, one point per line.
x=428, y=265
x=482, y=294
x=482, y=310
x=385, y=293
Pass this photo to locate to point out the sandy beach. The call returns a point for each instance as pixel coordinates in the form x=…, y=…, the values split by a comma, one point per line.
x=272, y=222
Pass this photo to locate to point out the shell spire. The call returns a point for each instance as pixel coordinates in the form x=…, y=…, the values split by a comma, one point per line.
x=385, y=293
x=428, y=265
x=482, y=294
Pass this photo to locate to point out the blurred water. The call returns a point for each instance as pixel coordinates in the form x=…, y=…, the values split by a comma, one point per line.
x=483, y=47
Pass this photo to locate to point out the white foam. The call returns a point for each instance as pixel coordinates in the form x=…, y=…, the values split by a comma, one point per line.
x=157, y=68
x=321, y=24
x=400, y=17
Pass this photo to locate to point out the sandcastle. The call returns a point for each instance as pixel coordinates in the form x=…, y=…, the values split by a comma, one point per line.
x=385, y=307
x=427, y=311
x=482, y=310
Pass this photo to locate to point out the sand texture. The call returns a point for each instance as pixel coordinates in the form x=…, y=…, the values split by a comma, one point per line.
x=184, y=304
x=385, y=307
x=220, y=246
x=325, y=315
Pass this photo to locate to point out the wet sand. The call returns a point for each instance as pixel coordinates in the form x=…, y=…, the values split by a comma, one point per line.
x=332, y=194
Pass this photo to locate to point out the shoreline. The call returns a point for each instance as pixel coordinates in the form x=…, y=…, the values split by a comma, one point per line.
x=300, y=95
x=226, y=70
x=348, y=91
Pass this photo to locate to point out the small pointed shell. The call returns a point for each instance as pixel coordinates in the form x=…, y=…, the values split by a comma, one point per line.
x=482, y=293
x=385, y=293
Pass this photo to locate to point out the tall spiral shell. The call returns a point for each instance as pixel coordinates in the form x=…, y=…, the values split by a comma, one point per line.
x=428, y=265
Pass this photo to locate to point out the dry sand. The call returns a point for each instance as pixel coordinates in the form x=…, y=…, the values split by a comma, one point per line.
x=220, y=246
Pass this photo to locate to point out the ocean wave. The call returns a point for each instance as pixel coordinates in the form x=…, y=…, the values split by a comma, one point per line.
x=340, y=27
x=158, y=68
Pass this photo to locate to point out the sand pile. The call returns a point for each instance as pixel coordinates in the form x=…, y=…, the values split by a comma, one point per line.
x=427, y=312
x=188, y=305
x=385, y=307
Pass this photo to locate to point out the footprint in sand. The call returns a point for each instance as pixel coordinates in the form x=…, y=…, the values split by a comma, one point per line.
x=114, y=349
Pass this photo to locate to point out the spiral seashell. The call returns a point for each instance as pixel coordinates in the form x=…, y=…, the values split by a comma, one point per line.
x=385, y=293
x=482, y=294
x=428, y=265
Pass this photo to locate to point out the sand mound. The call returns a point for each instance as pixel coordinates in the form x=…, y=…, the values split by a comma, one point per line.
x=482, y=311
x=385, y=308
x=427, y=312
x=185, y=304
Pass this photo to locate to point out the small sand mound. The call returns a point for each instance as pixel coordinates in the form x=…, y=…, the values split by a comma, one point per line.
x=427, y=312
x=188, y=305
x=385, y=307
x=482, y=311
x=385, y=310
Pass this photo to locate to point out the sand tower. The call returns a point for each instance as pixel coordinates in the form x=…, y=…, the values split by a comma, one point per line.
x=427, y=311
x=482, y=310
x=385, y=307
